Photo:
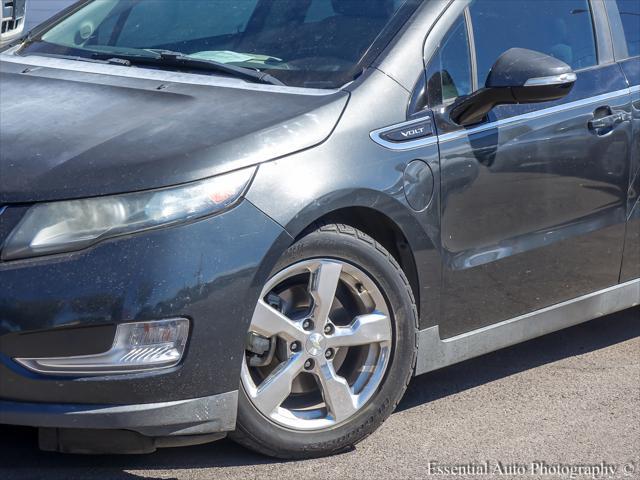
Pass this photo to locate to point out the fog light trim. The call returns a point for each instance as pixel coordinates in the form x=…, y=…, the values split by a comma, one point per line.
x=137, y=347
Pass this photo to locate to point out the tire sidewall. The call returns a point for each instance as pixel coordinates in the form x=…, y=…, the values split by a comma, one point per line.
x=360, y=250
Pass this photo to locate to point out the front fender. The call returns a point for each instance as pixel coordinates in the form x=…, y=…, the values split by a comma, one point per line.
x=297, y=203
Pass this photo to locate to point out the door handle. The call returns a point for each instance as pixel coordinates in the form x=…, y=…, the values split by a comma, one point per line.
x=605, y=121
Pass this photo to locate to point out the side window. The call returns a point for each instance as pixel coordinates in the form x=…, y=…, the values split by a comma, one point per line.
x=630, y=15
x=449, y=72
x=560, y=28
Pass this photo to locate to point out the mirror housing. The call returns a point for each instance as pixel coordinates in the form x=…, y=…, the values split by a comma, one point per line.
x=518, y=76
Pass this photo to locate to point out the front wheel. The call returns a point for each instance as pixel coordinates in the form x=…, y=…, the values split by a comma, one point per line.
x=330, y=349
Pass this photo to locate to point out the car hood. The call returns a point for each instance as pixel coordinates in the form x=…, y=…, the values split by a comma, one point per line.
x=72, y=129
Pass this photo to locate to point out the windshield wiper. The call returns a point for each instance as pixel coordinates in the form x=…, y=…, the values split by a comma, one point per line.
x=157, y=57
x=108, y=59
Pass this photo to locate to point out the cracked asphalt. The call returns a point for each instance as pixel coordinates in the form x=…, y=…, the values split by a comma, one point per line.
x=571, y=398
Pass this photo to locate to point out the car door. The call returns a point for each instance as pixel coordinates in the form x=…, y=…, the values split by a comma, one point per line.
x=534, y=199
x=624, y=16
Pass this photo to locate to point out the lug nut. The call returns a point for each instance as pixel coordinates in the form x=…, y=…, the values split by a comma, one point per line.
x=328, y=354
x=307, y=324
x=295, y=346
x=308, y=365
x=328, y=329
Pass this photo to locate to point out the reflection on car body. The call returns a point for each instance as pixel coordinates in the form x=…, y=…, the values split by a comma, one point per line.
x=260, y=218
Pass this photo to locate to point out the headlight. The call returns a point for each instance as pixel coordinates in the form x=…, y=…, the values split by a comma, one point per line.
x=75, y=224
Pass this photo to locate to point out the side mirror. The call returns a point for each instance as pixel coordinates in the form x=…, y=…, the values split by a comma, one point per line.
x=519, y=76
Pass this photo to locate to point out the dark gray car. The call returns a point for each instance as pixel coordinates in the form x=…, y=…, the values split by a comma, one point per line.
x=262, y=218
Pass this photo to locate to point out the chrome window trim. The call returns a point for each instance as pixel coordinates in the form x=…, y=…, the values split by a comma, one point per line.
x=376, y=135
x=534, y=115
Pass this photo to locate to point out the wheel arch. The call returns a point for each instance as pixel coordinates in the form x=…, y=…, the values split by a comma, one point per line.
x=381, y=228
x=379, y=214
x=392, y=224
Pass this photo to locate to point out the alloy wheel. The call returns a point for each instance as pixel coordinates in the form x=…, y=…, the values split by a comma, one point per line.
x=329, y=335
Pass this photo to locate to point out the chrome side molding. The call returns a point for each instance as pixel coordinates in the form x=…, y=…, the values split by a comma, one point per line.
x=435, y=353
x=377, y=135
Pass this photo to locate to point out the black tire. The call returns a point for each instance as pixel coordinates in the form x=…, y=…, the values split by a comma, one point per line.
x=344, y=243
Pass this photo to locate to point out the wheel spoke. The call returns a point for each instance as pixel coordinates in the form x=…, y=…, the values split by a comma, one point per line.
x=322, y=286
x=345, y=380
x=267, y=321
x=365, y=330
x=341, y=402
x=277, y=386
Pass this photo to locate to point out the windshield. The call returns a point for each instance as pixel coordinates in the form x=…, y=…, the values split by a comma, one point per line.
x=306, y=43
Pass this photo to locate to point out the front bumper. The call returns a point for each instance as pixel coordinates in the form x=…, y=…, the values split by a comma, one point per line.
x=210, y=272
x=198, y=416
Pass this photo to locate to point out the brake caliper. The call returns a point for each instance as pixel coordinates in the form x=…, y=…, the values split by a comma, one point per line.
x=261, y=349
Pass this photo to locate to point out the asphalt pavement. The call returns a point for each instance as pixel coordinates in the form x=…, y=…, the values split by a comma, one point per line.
x=565, y=403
